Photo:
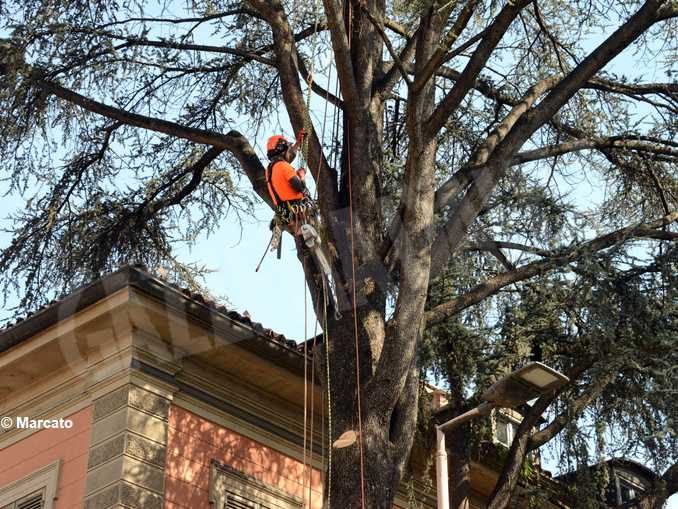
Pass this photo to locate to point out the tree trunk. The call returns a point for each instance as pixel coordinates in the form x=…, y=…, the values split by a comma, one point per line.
x=385, y=437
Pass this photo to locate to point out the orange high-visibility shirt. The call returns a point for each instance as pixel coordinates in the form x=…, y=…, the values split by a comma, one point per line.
x=280, y=181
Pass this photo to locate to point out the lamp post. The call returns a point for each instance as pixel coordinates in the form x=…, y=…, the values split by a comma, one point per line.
x=516, y=388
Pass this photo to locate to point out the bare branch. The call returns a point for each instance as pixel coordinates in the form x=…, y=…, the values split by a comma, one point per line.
x=140, y=41
x=488, y=245
x=320, y=91
x=630, y=143
x=196, y=170
x=177, y=21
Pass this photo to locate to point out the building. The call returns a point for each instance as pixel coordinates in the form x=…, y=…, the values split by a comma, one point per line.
x=624, y=483
x=153, y=397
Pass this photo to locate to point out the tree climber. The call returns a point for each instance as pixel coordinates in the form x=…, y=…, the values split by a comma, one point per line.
x=286, y=186
x=295, y=210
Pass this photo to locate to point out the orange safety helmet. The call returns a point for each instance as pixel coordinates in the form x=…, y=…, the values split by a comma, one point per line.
x=276, y=145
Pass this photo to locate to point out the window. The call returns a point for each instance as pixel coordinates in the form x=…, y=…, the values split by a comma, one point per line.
x=34, y=501
x=626, y=492
x=505, y=429
x=35, y=491
x=232, y=489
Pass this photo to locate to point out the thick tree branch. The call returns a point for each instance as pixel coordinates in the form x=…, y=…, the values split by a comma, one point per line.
x=508, y=479
x=498, y=133
x=342, y=54
x=482, y=180
x=598, y=143
x=389, y=45
x=477, y=62
x=233, y=141
x=385, y=86
x=492, y=285
x=509, y=476
x=494, y=248
x=578, y=405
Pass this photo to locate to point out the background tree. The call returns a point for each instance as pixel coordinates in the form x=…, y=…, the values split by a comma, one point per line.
x=467, y=127
x=613, y=332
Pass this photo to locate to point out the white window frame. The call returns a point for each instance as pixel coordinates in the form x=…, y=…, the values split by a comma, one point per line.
x=226, y=481
x=502, y=418
x=621, y=479
x=45, y=478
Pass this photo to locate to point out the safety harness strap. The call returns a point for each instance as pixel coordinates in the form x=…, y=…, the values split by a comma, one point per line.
x=269, y=180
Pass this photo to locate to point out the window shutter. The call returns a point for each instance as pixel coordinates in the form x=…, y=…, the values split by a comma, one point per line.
x=33, y=502
x=233, y=503
x=232, y=489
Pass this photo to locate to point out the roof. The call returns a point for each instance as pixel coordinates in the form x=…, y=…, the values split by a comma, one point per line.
x=619, y=463
x=130, y=275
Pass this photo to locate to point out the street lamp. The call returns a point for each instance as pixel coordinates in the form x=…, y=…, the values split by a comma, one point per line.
x=516, y=388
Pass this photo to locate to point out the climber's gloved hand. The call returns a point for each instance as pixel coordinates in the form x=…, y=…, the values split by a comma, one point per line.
x=301, y=135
